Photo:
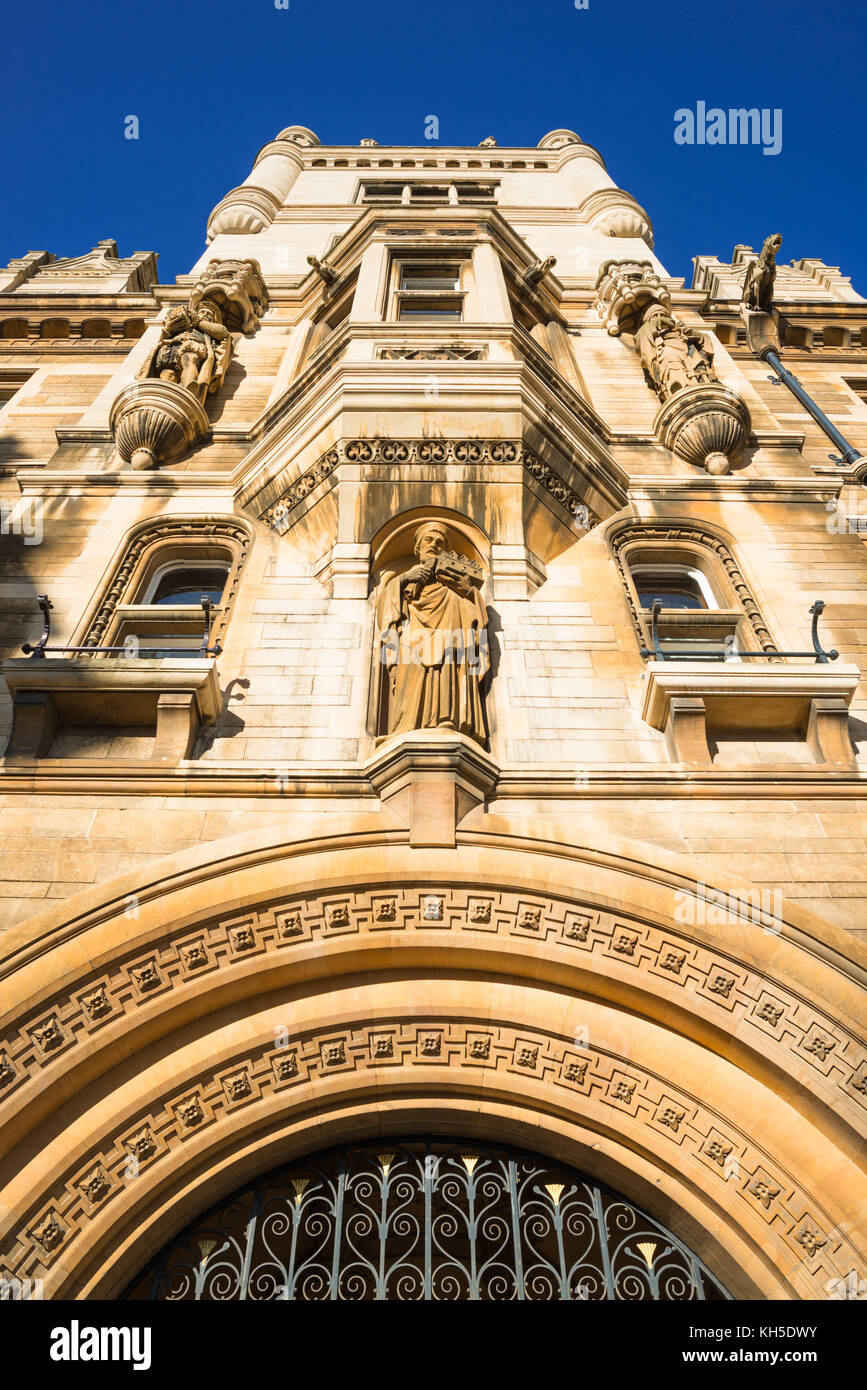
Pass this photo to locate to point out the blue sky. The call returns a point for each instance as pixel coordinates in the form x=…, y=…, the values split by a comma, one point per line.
x=213, y=80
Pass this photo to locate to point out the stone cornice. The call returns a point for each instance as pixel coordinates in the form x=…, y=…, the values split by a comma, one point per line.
x=409, y=452
x=216, y=777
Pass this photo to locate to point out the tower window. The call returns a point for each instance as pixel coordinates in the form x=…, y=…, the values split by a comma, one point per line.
x=428, y=194
x=428, y=292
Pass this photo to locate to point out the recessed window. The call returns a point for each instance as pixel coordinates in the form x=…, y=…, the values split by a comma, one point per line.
x=673, y=588
x=429, y=311
x=691, y=623
x=859, y=386
x=476, y=192
x=182, y=585
x=429, y=292
x=428, y=194
x=11, y=383
x=382, y=192
x=422, y=277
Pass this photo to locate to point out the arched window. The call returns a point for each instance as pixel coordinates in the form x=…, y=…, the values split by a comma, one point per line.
x=707, y=611
x=14, y=328
x=674, y=586
x=152, y=606
x=188, y=583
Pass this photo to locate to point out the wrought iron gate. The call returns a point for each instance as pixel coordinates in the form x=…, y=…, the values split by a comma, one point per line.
x=430, y=1220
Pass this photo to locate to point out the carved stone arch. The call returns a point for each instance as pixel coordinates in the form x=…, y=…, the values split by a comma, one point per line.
x=146, y=545
x=624, y=534
x=267, y=999
x=390, y=539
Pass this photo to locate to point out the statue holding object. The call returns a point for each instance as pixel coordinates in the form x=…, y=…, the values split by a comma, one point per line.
x=673, y=355
x=433, y=640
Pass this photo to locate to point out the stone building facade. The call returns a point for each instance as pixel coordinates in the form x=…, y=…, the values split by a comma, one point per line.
x=581, y=875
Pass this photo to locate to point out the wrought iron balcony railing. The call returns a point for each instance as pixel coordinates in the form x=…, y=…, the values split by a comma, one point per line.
x=135, y=649
x=689, y=654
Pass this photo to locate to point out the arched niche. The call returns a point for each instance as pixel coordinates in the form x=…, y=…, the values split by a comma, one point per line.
x=392, y=553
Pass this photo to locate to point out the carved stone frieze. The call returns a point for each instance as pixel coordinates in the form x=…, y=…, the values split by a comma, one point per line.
x=441, y=354
x=612, y=1091
x=553, y=923
x=279, y=515
x=547, y=1065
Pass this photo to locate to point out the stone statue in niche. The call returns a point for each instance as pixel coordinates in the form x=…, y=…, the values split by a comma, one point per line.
x=194, y=351
x=673, y=356
x=433, y=640
x=758, y=292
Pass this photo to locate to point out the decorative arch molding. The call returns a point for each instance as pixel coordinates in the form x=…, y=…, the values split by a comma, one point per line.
x=395, y=538
x=633, y=531
x=166, y=534
x=250, y=1003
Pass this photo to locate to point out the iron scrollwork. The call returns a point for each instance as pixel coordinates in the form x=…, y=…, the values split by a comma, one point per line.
x=427, y=1221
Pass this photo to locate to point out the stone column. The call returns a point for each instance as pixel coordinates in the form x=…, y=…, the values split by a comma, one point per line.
x=492, y=300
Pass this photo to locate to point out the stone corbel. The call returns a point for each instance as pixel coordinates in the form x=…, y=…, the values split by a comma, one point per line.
x=624, y=290
x=708, y=425
x=430, y=781
x=154, y=422
x=161, y=416
x=701, y=420
x=616, y=213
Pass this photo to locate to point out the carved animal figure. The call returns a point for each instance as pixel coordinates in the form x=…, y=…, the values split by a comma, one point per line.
x=758, y=291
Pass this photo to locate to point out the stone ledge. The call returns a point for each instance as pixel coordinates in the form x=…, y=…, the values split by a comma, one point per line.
x=684, y=700
x=176, y=696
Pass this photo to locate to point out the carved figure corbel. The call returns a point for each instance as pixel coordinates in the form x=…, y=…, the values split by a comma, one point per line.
x=161, y=415
x=672, y=354
x=701, y=420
